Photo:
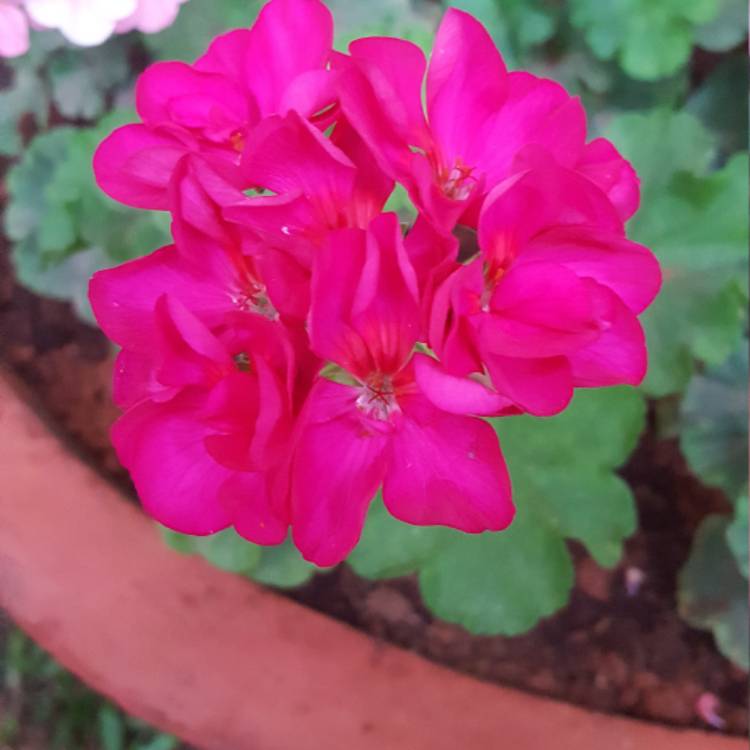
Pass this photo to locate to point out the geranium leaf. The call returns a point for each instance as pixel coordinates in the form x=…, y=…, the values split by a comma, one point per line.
x=712, y=593
x=282, y=567
x=226, y=550
x=651, y=40
x=695, y=222
x=505, y=582
x=713, y=424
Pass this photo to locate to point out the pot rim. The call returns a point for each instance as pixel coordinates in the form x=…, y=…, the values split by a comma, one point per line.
x=224, y=663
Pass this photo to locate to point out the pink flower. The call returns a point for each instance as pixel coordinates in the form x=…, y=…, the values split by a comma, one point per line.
x=376, y=427
x=316, y=186
x=209, y=449
x=14, y=29
x=212, y=107
x=550, y=304
x=482, y=123
x=295, y=350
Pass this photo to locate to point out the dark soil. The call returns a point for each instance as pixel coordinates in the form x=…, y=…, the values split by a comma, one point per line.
x=611, y=649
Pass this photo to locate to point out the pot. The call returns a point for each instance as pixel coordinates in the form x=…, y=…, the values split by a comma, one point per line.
x=226, y=664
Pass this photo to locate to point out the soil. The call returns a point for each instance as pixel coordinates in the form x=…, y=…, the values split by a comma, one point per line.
x=618, y=647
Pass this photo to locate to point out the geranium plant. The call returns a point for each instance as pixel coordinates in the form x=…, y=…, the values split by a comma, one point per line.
x=296, y=349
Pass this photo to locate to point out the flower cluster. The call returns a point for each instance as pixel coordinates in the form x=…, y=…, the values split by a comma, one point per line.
x=83, y=22
x=295, y=349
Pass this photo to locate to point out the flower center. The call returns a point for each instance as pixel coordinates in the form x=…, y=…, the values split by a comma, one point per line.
x=377, y=398
x=255, y=300
x=458, y=182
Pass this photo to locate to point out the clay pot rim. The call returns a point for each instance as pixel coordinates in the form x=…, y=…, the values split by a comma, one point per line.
x=226, y=664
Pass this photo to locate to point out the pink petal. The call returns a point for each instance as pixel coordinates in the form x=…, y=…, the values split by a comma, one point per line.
x=338, y=267
x=628, y=269
x=386, y=311
x=338, y=466
x=14, y=31
x=190, y=353
x=177, y=481
x=124, y=298
x=537, y=310
x=457, y=394
x=290, y=37
x=226, y=55
x=448, y=470
x=133, y=165
x=604, y=166
x=312, y=94
x=255, y=501
x=372, y=187
x=619, y=355
x=537, y=111
x=540, y=199
x=466, y=84
x=134, y=379
x=538, y=386
x=178, y=94
x=433, y=255
x=288, y=155
x=396, y=69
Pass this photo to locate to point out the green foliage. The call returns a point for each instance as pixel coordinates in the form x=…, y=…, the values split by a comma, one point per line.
x=725, y=30
x=63, y=228
x=517, y=26
x=415, y=20
x=696, y=223
x=720, y=102
x=650, y=39
x=80, y=84
x=713, y=424
x=737, y=534
x=198, y=22
x=712, y=592
x=281, y=566
x=54, y=707
x=505, y=582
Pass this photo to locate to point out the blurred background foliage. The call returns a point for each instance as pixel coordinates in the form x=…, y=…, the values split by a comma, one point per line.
x=667, y=81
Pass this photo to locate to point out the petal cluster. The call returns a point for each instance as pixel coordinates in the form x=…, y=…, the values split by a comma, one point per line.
x=297, y=348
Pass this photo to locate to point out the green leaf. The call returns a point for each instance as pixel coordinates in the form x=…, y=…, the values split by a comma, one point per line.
x=196, y=26
x=160, y=742
x=696, y=225
x=727, y=29
x=737, y=534
x=499, y=583
x=226, y=550
x=81, y=79
x=111, y=728
x=712, y=593
x=720, y=103
x=389, y=548
x=26, y=94
x=660, y=143
x=63, y=228
x=563, y=487
x=713, y=424
x=282, y=567
x=650, y=39
x=595, y=434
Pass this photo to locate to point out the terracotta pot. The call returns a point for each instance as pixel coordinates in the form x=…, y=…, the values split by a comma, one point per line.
x=225, y=664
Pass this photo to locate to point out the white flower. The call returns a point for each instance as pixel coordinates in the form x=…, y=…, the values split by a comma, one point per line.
x=151, y=16
x=90, y=22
